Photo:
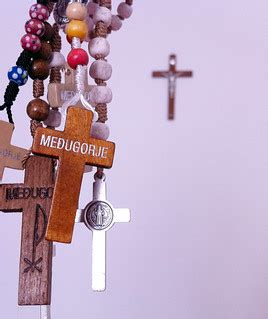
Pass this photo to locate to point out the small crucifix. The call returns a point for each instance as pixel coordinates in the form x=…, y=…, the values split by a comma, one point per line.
x=10, y=156
x=172, y=74
x=99, y=216
x=74, y=148
x=59, y=93
x=33, y=199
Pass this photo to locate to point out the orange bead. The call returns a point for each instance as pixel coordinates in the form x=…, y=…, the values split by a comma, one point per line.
x=77, y=29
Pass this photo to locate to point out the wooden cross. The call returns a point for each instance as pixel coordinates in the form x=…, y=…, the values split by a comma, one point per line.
x=33, y=199
x=74, y=148
x=58, y=93
x=10, y=156
x=172, y=74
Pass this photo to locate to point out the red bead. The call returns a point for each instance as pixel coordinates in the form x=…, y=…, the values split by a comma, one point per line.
x=39, y=11
x=77, y=57
x=31, y=42
x=35, y=26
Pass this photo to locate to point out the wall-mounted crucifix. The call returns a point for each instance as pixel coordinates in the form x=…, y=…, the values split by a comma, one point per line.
x=172, y=74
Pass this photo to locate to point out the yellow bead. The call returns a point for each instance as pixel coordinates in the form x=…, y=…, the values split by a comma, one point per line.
x=77, y=29
x=76, y=11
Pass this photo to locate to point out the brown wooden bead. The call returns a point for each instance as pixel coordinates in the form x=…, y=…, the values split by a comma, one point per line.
x=38, y=110
x=45, y=52
x=39, y=69
x=49, y=32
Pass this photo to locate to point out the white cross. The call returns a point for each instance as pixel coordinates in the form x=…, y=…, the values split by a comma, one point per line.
x=99, y=216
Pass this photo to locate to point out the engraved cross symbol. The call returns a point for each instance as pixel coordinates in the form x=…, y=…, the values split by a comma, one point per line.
x=172, y=74
x=75, y=148
x=10, y=156
x=33, y=199
x=99, y=216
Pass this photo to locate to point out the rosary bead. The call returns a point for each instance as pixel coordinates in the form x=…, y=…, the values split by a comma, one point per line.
x=49, y=32
x=77, y=29
x=77, y=57
x=100, y=131
x=39, y=69
x=31, y=42
x=103, y=14
x=100, y=95
x=57, y=60
x=18, y=75
x=45, y=52
x=124, y=10
x=101, y=70
x=38, y=110
x=54, y=118
x=39, y=11
x=99, y=48
x=116, y=23
x=90, y=24
x=91, y=8
x=35, y=26
x=76, y=11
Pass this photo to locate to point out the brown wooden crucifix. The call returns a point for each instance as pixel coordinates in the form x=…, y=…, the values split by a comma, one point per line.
x=58, y=93
x=172, y=74
x=10, y=156
x=33, y=199
x=74, y=148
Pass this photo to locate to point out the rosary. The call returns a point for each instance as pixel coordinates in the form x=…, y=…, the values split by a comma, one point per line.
x=57, y=160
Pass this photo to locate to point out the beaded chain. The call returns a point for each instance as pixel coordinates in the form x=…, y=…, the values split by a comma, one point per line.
x=37, y=28
x=94, y=25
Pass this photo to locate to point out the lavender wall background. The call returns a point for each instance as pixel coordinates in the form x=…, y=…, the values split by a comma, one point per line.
x=197, y=187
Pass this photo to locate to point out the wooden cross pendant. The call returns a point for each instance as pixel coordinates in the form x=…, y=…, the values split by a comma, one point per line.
x=10, y=156
x=74, y=148
x=33, y=199
x=172, y=74
x=58, y=93
x=100, y=216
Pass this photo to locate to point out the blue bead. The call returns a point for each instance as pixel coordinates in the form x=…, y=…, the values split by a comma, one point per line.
x=18, y=75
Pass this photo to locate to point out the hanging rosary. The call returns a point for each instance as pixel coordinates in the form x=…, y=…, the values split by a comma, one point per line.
x=57, y=160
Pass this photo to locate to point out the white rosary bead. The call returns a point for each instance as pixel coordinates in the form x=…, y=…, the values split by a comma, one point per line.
x=101, y=70
x=124, y=10
x=57, y=60
x=99, y=47
x=100, y=95
x=91, y=8
x=116, y=23
x=54, y=118
x=103, y=14
x=100, y=131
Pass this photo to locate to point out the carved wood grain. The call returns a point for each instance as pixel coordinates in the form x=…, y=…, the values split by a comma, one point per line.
x=35, y=271
x=70, y=170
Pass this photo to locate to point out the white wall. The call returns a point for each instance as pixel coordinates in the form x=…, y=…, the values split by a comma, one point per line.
x=197, y=244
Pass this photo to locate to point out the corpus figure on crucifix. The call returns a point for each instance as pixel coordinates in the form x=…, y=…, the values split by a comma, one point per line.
x=172, y=74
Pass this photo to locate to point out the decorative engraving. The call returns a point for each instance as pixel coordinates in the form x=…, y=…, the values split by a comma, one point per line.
x=73, y=146
x=28, y=192
x=99, y=215
x=38, y=236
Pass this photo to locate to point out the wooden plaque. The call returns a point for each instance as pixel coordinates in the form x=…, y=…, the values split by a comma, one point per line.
x=33, y=199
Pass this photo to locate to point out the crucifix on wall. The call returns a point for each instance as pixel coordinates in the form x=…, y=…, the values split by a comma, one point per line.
x=172, y=74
